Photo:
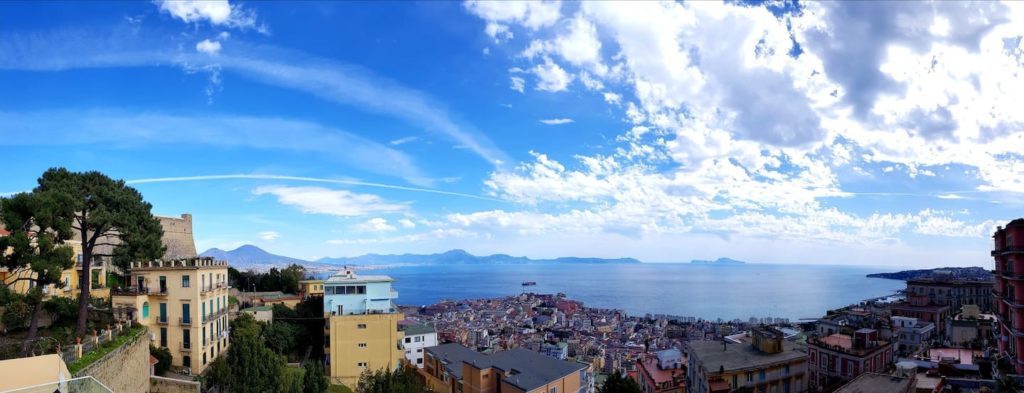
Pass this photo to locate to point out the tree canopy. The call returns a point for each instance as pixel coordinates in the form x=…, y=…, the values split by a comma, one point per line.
x=107, y=213
x=401, y=380
x=617, y=383
x=39, y=223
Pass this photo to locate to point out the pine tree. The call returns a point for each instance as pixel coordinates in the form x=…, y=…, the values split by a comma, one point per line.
x=617, y=383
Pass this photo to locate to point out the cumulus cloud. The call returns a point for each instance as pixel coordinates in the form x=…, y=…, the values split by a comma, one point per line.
x=269, y=235
x=208, y=47
x=215, y=12
x=517, y=83
x=551, y=77
x=319, y=200
x=373, y=225
x=555, y=122
x=499, y=14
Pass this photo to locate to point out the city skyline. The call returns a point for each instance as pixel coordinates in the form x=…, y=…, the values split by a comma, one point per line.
x=665, y=132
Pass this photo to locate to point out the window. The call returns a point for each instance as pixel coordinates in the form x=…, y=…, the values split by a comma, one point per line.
x=785, y=369
x=187, y=361
x=145, y=310
x=420, y=361
x=163, y=337
x=186, y=316
x=419, y=339
x=361, y=326
x=361, y=364
x=184, y=281
x=186, y=338
x=553, y=390
x=204, y=311
x=408, y=340
x=750, y=376
x=761, y=375
x=362, y=345
x=163, y=312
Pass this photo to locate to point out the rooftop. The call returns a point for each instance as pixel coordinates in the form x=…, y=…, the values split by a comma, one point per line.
x=844, y=343
x=872, y=382
x=659, y=376
x=525, y=369
x=739, y=356
x=258, y=308
x=417, y=329
x=342, y=278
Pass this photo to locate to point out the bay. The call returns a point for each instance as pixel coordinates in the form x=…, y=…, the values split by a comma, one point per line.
x=702, y=291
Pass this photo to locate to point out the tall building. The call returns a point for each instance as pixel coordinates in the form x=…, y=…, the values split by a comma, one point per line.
x=766, y=364
x=1008, y=253
x=839, y=358
x=954, y=293
x=418, y=337
x=452, y=368
x=184, y=302
x=362, y=326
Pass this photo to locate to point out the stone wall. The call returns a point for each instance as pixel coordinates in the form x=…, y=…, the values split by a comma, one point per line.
x=178, y=237
x=125, y=369
x=171, y=385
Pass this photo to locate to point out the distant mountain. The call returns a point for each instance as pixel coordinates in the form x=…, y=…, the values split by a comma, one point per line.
x=958, y=273
x=456, y=257
x=252, y=257
x=719, y=261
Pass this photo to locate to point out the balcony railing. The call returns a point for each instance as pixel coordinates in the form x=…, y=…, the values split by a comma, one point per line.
x=1007, y=250
x=184, y=321
x=186, y=346
x=1010, y=275
x=1009, y=301
x=136, y=291
x=161, y=320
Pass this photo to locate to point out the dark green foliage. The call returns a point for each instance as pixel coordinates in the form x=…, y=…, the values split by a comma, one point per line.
x=106, y=209
x=163, y=357
x=617, y=383
x=254, y=367
x=314, y=380
x=1007, y=384
x=7, y=296
x=245, y=324
x=286, y=280
x=63, y=310
x=281, y=337
x=16, y=315
x=291, y=382
x=218, y=375
x=402, y=380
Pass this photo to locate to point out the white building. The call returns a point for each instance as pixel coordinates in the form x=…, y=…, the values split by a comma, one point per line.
x=912, y=334
x=418, y=337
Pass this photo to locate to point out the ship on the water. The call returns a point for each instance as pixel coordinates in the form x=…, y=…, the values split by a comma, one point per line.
x=529, y=283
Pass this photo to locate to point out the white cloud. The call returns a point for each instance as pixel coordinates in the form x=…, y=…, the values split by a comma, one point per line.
x=551, y=77
x=268, y=235
x=342, y=203
x=373, y=225
x=208, y=47
x=516, y=83
x=404, y=140
x=498, y=14
x=406, y=223
x=553, y=122
x=216, y=12
x=612, y=98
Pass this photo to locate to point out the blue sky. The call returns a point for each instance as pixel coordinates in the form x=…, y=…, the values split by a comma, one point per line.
x=661, y=131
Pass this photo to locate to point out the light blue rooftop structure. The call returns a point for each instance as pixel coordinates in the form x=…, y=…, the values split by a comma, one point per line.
x=346, y=293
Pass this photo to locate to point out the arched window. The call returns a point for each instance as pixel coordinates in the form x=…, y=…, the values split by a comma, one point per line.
x=145, y=310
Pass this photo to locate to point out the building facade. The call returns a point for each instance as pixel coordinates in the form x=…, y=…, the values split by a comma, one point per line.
x=1008, y=253
x=954, y=293
x=417, y=337
x=362, y=326
x=311, y=288
x=452, y=368
x=839, y=358
x=184, y=303
x=662, y=372
x=911, y=334
x=766, y=364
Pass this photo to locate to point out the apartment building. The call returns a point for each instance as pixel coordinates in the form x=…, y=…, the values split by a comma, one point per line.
x=911, y=334
x=954, y=293
x=362, y=326
x=184, y=302
x=453, y=368
x=311, y=288
x=662, y=372
x=839, y=358
x=766, y=364
x=417, y=337
x=1008, y=253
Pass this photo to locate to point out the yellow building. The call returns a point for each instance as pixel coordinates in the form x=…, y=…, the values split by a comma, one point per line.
x=310, y=288
x=184, y=302
x=766, y=364
x=362, y=326
x=70, y=279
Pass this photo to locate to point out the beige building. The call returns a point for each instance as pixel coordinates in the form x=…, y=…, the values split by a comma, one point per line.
x=362, y=326
x=454, y=368
x=767, y=364
x=184, y=302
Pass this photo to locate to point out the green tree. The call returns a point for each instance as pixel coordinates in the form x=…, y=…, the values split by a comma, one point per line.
x=314, y=380
x=401, y=380
x=218, y=375
x=281, y=337
x=39, y=223
x=291, y=380
x=1007, y=384
x=253, y=367
x=617, y=383
x=163, y=357
x=109, y=213
x=16, y=314
x=290, y=278
x=63, y=310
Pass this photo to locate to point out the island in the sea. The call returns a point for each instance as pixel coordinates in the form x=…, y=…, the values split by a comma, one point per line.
x=973, y=273
x=719, y=261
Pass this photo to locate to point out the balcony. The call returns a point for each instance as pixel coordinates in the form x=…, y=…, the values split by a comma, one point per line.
x=1010, y=302
x=206, y=289
x=186, y=347
x=1009, y=275
x=185, y=321
x=1008, y=250
x=161, y=320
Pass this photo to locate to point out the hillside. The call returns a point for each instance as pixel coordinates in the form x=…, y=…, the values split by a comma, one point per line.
x=719, y=261
x=962, y=273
